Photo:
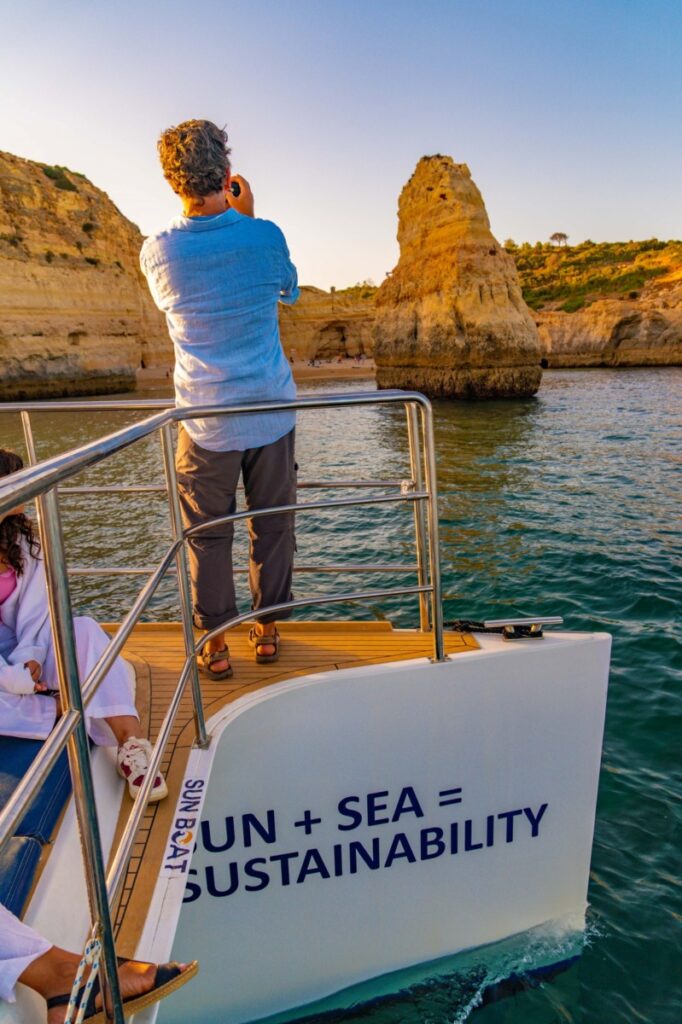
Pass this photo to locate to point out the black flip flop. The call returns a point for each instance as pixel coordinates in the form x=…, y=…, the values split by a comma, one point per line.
x=168, y=978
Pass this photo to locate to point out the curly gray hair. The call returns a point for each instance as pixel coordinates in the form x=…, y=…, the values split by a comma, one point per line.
x=195, y=158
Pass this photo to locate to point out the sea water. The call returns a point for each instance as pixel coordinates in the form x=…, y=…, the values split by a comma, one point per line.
x=565, y=504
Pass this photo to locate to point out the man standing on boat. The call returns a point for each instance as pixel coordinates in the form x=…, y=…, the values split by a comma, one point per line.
x=218, y=274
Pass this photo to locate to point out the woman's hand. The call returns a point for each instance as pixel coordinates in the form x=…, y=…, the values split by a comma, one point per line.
x=35, y=669
x=44, y=688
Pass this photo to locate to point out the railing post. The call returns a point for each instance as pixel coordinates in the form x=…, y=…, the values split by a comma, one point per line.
x=434, y=547
x=202, y=740
x=78, y=747
x=28, y=437
x=417, y=474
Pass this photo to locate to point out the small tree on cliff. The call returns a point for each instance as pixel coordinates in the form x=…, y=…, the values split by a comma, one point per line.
x=558, y=238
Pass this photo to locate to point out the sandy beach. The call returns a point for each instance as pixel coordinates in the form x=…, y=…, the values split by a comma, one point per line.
x=348, y=369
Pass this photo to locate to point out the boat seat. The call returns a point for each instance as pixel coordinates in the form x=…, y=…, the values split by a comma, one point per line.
x=19, y=861
x=16, y=757
x=18, y=864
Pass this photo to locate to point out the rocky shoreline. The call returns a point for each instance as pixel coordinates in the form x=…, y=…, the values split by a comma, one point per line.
x=76, y=317
x=613, y=332
x=161, y=377
x=75, y=314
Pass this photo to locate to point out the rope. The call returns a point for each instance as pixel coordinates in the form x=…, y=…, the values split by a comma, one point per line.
x=509, y=632
x=90, y=958
x=471, y=626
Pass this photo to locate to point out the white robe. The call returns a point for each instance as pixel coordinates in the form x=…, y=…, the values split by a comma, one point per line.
x=19, y=947
x=26, y=635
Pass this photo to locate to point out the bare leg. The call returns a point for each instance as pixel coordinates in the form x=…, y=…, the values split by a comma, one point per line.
x=125, y=727
x=50, y=975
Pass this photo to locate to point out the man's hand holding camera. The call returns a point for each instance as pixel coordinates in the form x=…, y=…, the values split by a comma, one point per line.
x=239, y=195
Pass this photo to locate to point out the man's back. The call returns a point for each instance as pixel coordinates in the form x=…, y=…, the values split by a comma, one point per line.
x=219, y=279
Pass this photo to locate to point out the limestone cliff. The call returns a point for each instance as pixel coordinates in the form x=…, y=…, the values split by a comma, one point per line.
x=646, y=331
x=324, y=325
x=75, y=313
x=451, y=320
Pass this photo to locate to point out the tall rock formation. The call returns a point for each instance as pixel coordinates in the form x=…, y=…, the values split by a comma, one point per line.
x=451, y=321
x=326, y=325
x=75, y=313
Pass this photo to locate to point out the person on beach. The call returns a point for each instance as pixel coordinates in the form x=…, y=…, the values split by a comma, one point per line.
x=28, y=958
x=29, y=706
x=218, y=273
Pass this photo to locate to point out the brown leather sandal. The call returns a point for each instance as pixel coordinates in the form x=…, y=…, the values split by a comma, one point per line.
x=264, y=640
x=208, y=658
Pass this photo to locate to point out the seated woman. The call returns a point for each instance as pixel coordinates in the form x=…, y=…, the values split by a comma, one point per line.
x=27, y=657
x=27, y=957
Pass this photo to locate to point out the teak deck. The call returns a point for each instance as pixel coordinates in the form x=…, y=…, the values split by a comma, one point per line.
x=157, y=653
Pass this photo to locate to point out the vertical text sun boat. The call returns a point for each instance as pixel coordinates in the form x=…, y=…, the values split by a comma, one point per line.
x=377, y=800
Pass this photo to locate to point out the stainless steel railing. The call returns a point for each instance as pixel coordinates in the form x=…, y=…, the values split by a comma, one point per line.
x=42, y=483
x=116, y=490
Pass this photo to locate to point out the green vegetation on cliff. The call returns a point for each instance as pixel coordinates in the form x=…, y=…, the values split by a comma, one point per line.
x=60, y=176
x=568, y=277
x=362, y=290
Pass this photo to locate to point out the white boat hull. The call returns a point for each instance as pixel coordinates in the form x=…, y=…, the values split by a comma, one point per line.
x=346, y=825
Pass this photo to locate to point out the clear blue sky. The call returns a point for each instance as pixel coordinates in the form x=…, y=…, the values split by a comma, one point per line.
x=567, y=111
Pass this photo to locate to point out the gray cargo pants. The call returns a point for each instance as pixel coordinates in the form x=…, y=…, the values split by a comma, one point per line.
x=207, y=482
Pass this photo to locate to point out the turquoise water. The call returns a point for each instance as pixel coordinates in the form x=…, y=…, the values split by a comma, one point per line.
x=566, y=504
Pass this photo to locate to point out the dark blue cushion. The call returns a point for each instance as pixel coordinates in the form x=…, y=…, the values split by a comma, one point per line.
x=18, y=863
x=16, y=756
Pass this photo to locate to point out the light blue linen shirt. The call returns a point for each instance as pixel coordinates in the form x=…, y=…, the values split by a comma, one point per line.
x=218, y=279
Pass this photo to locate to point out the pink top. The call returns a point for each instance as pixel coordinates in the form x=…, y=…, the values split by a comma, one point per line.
x=8, y=584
